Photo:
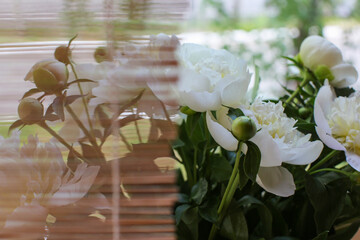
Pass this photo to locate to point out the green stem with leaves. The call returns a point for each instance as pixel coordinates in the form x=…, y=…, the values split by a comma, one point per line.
x=228, y=194
x=305, y=81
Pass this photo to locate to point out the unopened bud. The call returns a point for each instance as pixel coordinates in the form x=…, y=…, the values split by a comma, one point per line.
x=63, y=54
x=30, y=110
x=51, y=77
x=323, y=72
x=243, y=128
x=101, y=54
x=304, y=112
x=186, y=110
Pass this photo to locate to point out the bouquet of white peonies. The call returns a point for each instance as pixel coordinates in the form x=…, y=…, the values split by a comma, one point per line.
x=247, y=167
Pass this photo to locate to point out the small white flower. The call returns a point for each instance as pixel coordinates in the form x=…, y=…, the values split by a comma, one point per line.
x=277, y=139
x=210, y=78
x=316, y=51
x=338, y=123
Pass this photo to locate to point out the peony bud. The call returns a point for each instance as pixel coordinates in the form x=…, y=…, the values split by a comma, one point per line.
x=243, y=128
x=63, y=54
x=50, y=77
x=30, y=110
x=101, y=54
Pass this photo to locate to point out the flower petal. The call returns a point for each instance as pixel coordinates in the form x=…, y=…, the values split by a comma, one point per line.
x=234, y=93
x=270, y=152
x=322, y=107
x=200, y=101
x=276, y=180
x=315, y=51
x=353, y=160
x=220, y=134
x=329, y=140
x=306, y=153
x=345, y=75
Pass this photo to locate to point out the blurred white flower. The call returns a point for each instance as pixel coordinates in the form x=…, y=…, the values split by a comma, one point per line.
x=277, y=139
x=34, y=179
x=316, y=51
x=338, y=123
x=210, y=78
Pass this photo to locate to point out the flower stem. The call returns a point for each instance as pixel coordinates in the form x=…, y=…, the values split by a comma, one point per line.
x=331, y=170
x=60, y=139
x=296, y=92
x=228, y=194
x=83, y=100
x=82, y=127
x=324, y=160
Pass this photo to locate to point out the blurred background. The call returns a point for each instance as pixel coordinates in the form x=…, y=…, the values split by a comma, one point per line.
x=260, y=31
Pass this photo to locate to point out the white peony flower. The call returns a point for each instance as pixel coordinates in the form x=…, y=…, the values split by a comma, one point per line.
x=34, y=179
x=338, y=123
x=316, y=51
x=210, y=78
x=277, y=139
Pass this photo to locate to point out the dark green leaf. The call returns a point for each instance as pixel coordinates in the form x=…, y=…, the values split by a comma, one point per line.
x=252, y=161
x=234, y=226
x=179, y=211
x=327, y=200
x=344, y=92
x=347, y=232
x=321, y=236
x=177, y=143
x=219, y=168
x=58, y=107
x=208, y=210
x=191, y=218
x=199, y=191
x=243, y=178
x=250, y=202
x=31, y=92
x=15, y=124
x=80, y=81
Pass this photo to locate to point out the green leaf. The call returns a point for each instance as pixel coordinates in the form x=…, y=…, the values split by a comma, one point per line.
x=208, y=210
x=344, y=92
x=219, y=168
x=346, y=233
x=265, y=215
x=252, y=161
x=31, y=92
x=58, y=107
x=199, y=190
x=234, y=226
x=177, y=143
x=243, y=178
x=190, y=218
x=321, y=236
x=80, y=81
x=16, y=124
x=179, y=211
x=327, y=200
x=194, y=129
